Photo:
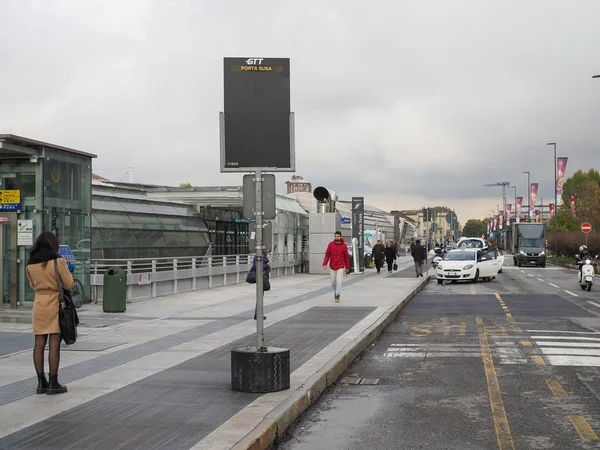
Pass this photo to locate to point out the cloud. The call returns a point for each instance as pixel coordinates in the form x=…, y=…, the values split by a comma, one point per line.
x=407, y=103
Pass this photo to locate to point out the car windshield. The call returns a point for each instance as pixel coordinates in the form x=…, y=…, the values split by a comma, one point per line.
x=471, y=243
x=460, y=256
x=532, y=242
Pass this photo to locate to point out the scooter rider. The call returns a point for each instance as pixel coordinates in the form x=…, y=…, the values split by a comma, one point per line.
x=580, y=257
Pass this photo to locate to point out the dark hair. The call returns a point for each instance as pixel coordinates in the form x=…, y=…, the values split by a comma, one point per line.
x=338, y=232
x=418, y=241
x=44, y=249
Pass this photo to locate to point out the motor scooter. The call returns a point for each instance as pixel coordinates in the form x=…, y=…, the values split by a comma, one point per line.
x=585, y=276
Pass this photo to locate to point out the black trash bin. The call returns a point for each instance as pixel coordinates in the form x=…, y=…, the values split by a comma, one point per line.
x=114, y=290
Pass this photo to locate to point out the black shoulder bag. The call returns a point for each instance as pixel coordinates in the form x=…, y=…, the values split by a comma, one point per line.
x=67, y=315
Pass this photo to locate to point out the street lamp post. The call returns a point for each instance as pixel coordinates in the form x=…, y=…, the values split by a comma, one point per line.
x=528, y=194
x=555, y=202
x=515, y=205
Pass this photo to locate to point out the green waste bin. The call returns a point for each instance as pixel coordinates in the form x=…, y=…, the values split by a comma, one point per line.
x=114, y=290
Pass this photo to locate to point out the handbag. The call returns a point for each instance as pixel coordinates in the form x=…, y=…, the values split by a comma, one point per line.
x=395, y=266
x=67, y=315
x=251, y=277
x=266, y=282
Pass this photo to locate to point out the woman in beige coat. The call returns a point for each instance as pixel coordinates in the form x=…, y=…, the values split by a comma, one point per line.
x=41, y=273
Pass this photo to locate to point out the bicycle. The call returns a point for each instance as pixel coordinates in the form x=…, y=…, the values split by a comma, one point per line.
x=77, y=291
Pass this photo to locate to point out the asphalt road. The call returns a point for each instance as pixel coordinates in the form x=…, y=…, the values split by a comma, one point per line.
x=511, y=363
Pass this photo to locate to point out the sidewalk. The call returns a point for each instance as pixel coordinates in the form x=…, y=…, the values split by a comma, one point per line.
x=158, y=375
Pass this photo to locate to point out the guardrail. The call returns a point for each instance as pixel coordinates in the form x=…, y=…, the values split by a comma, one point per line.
x=155, y=277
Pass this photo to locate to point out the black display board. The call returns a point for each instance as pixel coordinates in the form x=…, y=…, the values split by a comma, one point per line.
x=256, y=126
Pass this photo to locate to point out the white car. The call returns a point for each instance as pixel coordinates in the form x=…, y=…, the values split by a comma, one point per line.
x=468, y=265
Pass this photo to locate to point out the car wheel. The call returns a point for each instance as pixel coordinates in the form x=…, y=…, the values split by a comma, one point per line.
x=514, y=261
x=476, y=279
x=519, y=264
x=500, y=271
x=440, y=281
x=544, y=265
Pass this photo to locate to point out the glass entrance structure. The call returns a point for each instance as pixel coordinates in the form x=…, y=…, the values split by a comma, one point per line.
x=43, y=187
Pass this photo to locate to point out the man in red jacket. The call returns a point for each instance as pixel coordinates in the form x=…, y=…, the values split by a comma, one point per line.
x=339, y=260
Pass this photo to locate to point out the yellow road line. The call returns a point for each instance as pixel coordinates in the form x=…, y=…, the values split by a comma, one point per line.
x=505, y=440
x=498, y=296
x=473, y=291
x=556, y=388
x=583, y=428
x=526, y=343
x=539, y=360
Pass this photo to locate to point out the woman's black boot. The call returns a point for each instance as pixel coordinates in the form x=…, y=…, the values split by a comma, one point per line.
x=42, y=383
x=54, y=387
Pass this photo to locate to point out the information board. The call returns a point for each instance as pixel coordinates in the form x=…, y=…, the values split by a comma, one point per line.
x=257, y=125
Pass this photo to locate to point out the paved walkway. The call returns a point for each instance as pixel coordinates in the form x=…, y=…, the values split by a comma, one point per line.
x=158, y=375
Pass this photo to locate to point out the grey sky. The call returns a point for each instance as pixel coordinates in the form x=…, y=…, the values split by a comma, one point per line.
x=407, y=103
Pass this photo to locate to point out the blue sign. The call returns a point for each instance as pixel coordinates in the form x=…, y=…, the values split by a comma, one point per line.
x=10, y=207
x=65, y=252
x=345, y=220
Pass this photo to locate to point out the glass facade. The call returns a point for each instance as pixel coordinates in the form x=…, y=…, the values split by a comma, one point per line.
x=55, y=195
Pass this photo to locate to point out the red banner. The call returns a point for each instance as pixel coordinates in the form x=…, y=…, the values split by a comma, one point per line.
x=537, y=216
x=534, y=193
x=560, y=178
x=501, y=218
x=489, y=226
x=572, y=201
x=508, y=214
x=551, y=206
x=495, y=223
x=519, y=205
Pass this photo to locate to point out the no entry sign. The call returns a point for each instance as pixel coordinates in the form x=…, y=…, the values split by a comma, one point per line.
x=586, y=227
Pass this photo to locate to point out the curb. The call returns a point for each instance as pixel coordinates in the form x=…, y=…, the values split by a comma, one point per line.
x=276, y=423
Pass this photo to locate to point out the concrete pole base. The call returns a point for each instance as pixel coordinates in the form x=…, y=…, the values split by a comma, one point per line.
x=260, y=371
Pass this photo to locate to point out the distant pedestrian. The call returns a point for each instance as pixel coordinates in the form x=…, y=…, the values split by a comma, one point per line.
x=44, y=268
x=339, y=261
x=378, y=253
x=390, y=256
x=419, y=255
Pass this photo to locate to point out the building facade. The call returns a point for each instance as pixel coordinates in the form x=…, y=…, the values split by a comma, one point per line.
x=297, y=184
x=44, y=187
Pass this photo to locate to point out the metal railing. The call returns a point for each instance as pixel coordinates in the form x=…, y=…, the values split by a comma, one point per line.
x=154, y=277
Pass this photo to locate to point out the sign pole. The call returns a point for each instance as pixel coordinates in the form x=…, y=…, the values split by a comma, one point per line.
x=260, y=334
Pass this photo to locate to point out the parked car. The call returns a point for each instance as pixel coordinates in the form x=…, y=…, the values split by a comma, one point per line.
x=466, y=264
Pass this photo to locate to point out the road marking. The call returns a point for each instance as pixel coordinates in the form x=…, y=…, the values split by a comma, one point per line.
x=526, y=343
x=583, y=361
x=473, y=291
x=522, y=271
x=556, y=388
x=553, y=285
x=583, y=428
x=593, y=303
x=530, y=275
x=571, y=351
x=540, y=279
x=505, y=440
x=568, y=338
x=568, y=344
x=538, y=360
x=569, y=292
x=562, y=331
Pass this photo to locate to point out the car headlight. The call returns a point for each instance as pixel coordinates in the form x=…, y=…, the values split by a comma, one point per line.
x=521, y=252
x=542, y=253
x=439, y=266
x=468, y=266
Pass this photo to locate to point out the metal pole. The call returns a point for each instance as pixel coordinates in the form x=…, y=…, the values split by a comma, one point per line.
x=528, y=195
x=260, y=334
x=555, y=201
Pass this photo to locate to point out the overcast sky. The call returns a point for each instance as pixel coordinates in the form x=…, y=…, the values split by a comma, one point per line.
x=409, y=103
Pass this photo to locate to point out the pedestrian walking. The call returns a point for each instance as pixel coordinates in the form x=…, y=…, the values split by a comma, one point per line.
x=390, y=256
x=339, y=261
x=378, y=253
x=419, y=255
x=43, y=268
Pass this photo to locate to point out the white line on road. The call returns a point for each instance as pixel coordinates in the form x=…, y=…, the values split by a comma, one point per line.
x=530, y=275
x=593, y=303
x=568, y=338
x=568, y=344
x=540, y=279
x=590, y=361
x=570, y=293
x=553, y=285
x=522, y=271
x=563, y=331
x=571, y=351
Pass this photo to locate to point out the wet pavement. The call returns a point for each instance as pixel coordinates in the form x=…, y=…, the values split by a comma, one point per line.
x=511, y=363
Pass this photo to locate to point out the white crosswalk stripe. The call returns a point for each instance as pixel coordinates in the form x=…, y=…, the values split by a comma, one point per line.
x=507, y=352
x=563, y=350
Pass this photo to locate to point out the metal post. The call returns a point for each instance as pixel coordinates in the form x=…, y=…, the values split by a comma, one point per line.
x=260, y=334
x=528, y=194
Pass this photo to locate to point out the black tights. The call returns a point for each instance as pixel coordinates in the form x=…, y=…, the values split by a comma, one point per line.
x=54, y=353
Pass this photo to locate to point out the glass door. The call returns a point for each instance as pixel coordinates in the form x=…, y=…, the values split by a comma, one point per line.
x=8, y=262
